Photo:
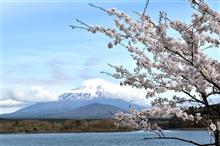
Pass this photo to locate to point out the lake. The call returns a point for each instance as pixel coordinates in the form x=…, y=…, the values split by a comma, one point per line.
x=101, y=139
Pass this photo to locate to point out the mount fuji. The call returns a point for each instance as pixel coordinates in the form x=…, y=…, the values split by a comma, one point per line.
x=93, y=102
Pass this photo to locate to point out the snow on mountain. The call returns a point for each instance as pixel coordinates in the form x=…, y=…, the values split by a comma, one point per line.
x=92, y=92
x=84, y=93
x=96, y=88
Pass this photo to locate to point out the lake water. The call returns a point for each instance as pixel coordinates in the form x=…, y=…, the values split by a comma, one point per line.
x=101, y=139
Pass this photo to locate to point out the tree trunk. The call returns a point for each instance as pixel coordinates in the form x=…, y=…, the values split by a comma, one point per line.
x=217, y=138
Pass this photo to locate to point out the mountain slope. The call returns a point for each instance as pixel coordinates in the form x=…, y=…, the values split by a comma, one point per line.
x=43, y=109
x=46, y=109
x=91, y=111
x=67, y=102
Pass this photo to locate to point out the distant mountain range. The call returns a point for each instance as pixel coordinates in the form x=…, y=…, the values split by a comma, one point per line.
x=80, y=103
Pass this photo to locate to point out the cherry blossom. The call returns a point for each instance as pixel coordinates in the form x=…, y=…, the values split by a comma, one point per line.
x=168, y=63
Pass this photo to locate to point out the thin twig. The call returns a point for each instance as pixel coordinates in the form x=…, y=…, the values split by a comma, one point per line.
x=82, y=23
x=207, y=47
x=145, y=7
x=184, y=140
x=79, y=27
x=97, y=7
x=137, y=13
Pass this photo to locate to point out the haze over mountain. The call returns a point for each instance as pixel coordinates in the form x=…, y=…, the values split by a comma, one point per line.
x=83, y=102
x=90, y=111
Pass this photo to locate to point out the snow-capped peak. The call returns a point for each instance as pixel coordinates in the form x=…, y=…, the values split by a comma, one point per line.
x=96, y=88
x=85, y=92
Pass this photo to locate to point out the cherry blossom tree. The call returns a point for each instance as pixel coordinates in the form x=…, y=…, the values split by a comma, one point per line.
x=166, y=63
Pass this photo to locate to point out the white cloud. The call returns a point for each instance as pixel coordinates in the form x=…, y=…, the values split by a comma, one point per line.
x=20, y=97
x=14, y=98
x=10, y=103
x=125, y=92
x=30, y=95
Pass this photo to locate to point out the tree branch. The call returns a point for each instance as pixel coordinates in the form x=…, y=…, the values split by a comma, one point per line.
x=192, y=97
x=145, y=7
x=213, y=93
x=100, y=8
x=180, y=139
x=210, y=81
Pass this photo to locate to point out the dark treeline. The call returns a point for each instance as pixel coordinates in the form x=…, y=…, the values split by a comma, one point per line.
x=50, y=126
x=61, y=126
x=89, y=125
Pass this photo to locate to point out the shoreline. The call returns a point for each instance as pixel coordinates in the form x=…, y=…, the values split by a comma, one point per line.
x=78, y=132
x=25, y=126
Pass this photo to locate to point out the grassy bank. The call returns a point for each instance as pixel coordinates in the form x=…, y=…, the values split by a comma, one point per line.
x=64, y=126
x=104, y=125
x=58, y=126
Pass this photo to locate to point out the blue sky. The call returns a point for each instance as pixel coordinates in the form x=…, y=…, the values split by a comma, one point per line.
x=40, y=50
